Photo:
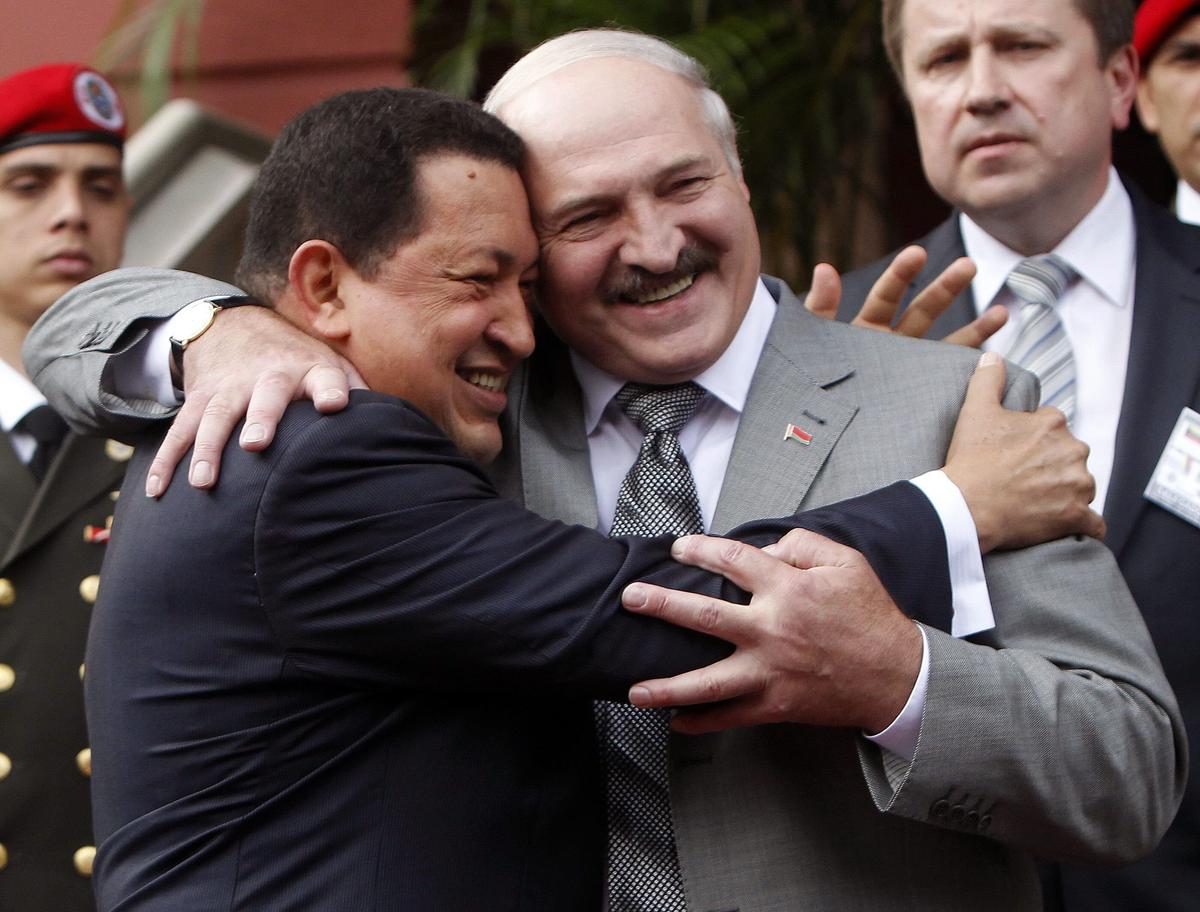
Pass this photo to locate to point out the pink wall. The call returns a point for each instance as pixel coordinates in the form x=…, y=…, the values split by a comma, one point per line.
x=260, y=61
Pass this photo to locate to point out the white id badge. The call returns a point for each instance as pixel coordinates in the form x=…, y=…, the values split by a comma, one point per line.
x=1175, y=484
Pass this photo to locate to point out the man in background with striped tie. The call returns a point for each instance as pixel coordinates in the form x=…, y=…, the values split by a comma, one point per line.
x=63, y=212
x=1014, y=105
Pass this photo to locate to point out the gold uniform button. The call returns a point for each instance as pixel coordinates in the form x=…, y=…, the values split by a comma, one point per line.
x=83, y=760
x=8, y=678
x=81, y=668
x=8, y=594
x=85, y=857
x=5, y=766
x=117, y=451
x=89, y=587
x=3, y=857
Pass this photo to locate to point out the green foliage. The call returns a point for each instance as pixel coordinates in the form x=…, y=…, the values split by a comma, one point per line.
x=147, y=33
x=804, y=78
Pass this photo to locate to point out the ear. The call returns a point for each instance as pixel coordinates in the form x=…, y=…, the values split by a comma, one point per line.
x=1146, y=108
x=1122, y=74
x=315, y=275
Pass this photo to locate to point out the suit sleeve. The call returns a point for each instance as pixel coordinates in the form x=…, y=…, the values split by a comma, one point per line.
x=1056, y=731
x=385, y=558
x=69, y=352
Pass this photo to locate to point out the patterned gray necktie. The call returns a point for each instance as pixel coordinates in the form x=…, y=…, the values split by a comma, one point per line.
x=657, y=497
x=1041, y=345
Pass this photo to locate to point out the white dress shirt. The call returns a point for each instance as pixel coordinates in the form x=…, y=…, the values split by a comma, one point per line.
x=18, y=397
x=1096, y=311
x=1187, y=203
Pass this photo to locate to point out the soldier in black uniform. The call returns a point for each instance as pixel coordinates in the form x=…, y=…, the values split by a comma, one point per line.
x=63, y=213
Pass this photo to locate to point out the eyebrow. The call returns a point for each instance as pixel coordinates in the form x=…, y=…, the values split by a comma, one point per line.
x=39, y=169
x=575, y=204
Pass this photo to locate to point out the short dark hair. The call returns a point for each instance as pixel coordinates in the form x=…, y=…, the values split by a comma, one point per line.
x=1111, y=22
x=344, y=171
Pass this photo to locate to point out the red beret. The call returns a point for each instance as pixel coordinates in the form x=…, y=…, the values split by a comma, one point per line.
x=59, y=103
x=1155, y=21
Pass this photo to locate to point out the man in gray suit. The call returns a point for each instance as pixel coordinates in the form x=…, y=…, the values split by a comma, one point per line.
x=1050, y=733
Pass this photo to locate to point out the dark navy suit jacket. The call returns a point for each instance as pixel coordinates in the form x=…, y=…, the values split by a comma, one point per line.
x=1158, y=553
x=352, y=678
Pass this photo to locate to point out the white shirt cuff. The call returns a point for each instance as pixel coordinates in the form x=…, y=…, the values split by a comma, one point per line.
x=144, y=370
x=970, y=601
x=901, y=736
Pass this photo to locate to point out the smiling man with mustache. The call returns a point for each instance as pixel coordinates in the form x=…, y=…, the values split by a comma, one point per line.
x=63, y=211
x=1015, y=102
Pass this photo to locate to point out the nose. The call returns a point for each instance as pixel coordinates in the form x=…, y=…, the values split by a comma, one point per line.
x=987, y=92
x=69, y=210
x=652, y=240
x=512, y=327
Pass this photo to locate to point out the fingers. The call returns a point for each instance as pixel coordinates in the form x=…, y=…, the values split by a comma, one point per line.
x=273, y=392
x=720, y=681
x=327, y=386
x=986, y=389
x=883, y=301
x=932, y=302
x=805, y=549
x=221, y=414
x=741, y=564
x=982, y=328
x=1094, y=525
x=689, y=609
x=826, y=292
x=176, y=443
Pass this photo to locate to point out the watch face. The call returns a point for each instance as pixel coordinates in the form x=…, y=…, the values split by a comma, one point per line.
x=192, y=321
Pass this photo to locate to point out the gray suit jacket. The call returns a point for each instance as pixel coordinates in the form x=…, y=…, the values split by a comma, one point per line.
x=1155, y=550
x=1060, y=736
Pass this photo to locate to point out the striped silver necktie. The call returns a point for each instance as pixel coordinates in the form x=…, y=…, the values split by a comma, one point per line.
x=1041, y=345
x=657, y=497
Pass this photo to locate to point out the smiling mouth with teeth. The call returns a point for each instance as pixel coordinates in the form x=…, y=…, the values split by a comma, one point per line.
x=495, y=383
x=654, y=295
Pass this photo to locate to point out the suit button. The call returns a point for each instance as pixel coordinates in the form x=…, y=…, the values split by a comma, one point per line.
x=939, y=808
x=81, y=666
x=8, y=677
x=5, y=766
x=83, y=760
x=8, y=594
x=89, y=588
x=117, y=451
x=3, y=857
x=85, y=857
x=985, y=823
x=957, y=814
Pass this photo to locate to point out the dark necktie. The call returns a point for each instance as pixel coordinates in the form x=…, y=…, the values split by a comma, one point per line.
x=1041, y=345
x=48, y=431
x=658, y=496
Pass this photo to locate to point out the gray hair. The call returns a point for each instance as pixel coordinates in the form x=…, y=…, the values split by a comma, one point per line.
x=587, y=44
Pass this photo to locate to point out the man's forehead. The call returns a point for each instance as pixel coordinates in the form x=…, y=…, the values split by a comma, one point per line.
x=934, y=21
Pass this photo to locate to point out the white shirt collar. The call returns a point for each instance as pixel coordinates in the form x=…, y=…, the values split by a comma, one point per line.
x=18, y=397
x=1100, y=248
x=1187, y=203
x=728, y=379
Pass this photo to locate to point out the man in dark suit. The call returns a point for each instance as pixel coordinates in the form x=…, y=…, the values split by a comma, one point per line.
x=997, y=106
x=310, y=688
x=63, y=209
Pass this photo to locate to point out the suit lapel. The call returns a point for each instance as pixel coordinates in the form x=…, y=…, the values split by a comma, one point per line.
x=80, y=472
x=1164, y=370
x=555, y=464
x=766, y=470
x=16, y=494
